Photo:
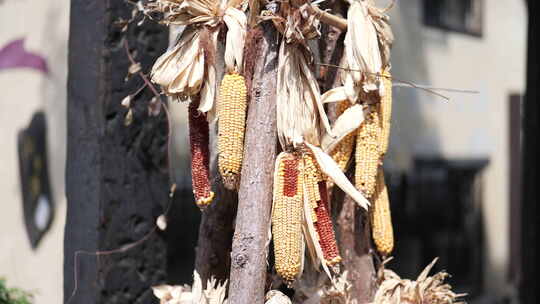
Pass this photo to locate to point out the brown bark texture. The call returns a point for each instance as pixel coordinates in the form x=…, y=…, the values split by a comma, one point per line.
x=249, y=248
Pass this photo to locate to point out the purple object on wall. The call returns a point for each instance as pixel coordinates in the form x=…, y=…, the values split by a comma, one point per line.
x=13, y=55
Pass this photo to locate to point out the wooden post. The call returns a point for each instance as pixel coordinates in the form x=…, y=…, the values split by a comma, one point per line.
x=248, y=257
x=116, y=175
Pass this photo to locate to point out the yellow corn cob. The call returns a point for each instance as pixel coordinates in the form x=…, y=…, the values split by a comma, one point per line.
x=287, y=213
x=317, y=195
x=385, y=111
x=312, y=176
x=367, y=153
x=231, y=128
x=381, y=219
x=342, y=152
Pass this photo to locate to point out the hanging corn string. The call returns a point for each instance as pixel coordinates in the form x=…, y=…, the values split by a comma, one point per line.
x=187, y=72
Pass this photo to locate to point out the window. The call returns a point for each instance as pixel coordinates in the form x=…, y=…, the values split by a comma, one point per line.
x=464, y=16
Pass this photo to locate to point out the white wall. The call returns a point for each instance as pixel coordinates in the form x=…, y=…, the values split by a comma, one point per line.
x=45, y=26
x=469, y=125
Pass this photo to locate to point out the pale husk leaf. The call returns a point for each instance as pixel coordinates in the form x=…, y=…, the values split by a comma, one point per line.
x=332, y=170
x=334, y=95
x=236, y=22
x=178, y=71
x=363, y=57
x=300, y=113
x=346, y=123
x=276, y=297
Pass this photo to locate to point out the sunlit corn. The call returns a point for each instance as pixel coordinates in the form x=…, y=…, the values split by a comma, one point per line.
x=381, y=219
x=385, y=112
x=317, y=193
x=287, y=214
x=367, y=154
x=231, y=128
x=198, y=140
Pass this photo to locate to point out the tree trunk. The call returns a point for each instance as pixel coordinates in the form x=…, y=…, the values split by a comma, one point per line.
x=116, y=175
x=249, y=250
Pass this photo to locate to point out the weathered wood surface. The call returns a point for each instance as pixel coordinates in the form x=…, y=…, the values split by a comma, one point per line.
x=248, y=265
x=116, y=176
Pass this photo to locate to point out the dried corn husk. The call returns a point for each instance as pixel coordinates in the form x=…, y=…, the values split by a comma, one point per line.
x=381, y=22
x=184, y=294
x=426, y=289
x=362, y=53
x=276, y=297
x=187, y=69
x=300, y=113
x=345, y=124
x=332, y=170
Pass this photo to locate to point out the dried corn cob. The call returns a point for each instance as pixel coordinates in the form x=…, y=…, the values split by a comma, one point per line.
x=325, y=229
x=312, y=176
x=231, y=127
x=287, y=213
x=318, y=199
x=198, y=140
x=342, y=152
x=367, y=153
x=385, y=112
x=381, y=219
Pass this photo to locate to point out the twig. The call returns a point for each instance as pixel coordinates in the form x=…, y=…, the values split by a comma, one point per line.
x=109, y=252
x=412, y=84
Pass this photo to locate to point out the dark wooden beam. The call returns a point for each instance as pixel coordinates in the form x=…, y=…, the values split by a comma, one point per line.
x=116, y=175
x=531, y=151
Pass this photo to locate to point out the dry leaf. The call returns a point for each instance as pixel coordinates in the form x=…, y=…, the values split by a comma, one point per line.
x=129, y=118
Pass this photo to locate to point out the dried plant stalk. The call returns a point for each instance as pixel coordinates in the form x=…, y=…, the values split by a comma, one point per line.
x=381, y=220
x=232, y=107
x=200, y=155
x=367, y=153
x=287, y=214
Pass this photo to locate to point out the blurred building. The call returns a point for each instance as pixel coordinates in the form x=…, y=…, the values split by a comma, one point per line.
x=475, y=45
x=44, y=25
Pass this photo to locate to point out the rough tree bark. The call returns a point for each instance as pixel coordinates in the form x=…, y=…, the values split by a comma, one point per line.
x=248, y=265
x=116, y=176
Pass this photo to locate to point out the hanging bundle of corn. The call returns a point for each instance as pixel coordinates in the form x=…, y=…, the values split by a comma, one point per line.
x=301, y=123
x=381, y=219
x=200, y=156
x=187, y=71
x=232, y=106
x=287, y=214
